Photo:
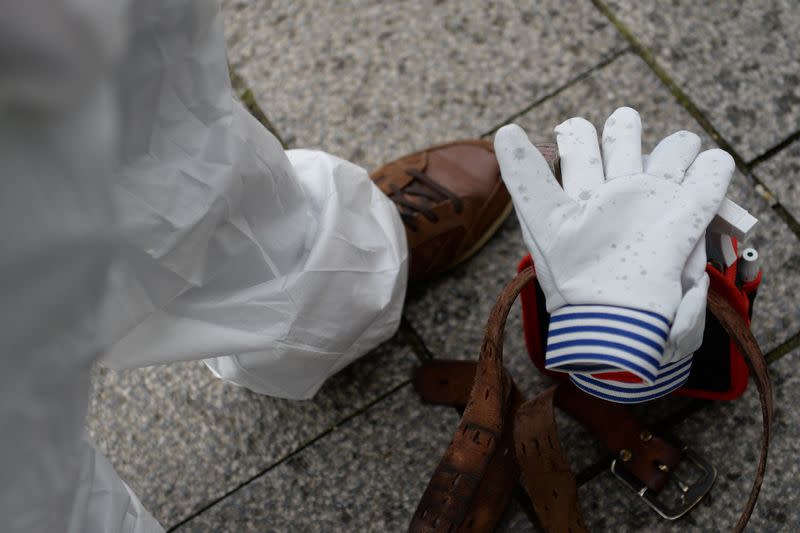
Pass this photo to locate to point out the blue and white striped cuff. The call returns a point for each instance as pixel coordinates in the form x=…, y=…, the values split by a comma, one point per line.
x=587, y=339
x=670, y=377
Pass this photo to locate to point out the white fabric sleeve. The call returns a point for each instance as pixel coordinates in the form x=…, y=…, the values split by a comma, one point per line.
x=278, y=271
x=58, y=137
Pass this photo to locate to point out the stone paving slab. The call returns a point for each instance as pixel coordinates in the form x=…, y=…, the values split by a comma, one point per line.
x=181, y=437
x=737, y=61
x=781, y=174
x=369, y=80
x=368, y=475
x=370, y=472
x=727, y=434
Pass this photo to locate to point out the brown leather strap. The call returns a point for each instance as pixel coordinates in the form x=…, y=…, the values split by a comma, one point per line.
x=445, y=382
x=452, y=491
x=546, y=473
x=748, y=346
x=495, y=490
x=468, y=472
x=619, y=430
x=448, y=382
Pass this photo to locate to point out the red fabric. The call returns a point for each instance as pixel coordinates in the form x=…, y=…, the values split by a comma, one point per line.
x=739, y=297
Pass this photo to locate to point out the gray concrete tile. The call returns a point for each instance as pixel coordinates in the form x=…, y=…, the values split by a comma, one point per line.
x=776, y=315
x=737, y=61
x=181, y=437
x=781, y=174
x=728, y=434
x=387, y=454
x=370, y=81
x=628, y=81
x=367, y=475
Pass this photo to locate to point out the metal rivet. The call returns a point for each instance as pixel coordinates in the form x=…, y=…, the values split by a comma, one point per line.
x=625, y=455
x=645, y=435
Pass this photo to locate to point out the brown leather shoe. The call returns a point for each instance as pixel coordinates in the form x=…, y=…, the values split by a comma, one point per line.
x=451, y=200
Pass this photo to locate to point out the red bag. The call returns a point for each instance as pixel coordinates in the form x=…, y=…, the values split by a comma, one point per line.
x=719, y=371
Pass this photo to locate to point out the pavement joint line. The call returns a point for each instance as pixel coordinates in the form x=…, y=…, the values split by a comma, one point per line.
x=774, y=150
x=561, y=88
x=248, y=99
x=687, y=103
x=414, y=340
x=679, y=94
x=787, y=217
x=774, y=203
x=358, y=412
x=784, y=348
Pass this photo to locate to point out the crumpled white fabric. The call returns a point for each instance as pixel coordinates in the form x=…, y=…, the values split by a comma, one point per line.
x=234, y=253
x=149, y=219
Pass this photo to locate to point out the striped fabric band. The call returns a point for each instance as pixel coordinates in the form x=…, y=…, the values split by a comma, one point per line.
x=670, y=377
x=587, y=339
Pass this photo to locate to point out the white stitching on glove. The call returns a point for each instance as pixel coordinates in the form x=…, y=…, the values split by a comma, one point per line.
x=612, y=246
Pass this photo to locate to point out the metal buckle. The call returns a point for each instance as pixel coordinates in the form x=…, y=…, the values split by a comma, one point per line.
x=690, y=494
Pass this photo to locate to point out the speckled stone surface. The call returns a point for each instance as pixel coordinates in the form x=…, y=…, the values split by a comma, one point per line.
x=367, y=475
x=369, y=80
x=727, y=434
x=629, y=81
x=450, y=313
x=781, y=174
x=181, y=437
x=737, y=61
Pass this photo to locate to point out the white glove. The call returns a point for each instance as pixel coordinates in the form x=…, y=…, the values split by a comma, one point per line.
x=685, y=337
x=610, y=248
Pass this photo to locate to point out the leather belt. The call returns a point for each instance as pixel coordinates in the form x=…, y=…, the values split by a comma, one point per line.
x=501, y=435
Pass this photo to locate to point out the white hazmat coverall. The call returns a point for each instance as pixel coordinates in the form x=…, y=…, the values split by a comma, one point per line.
x=148, y=218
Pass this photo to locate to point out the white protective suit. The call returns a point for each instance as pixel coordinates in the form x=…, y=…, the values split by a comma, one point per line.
x=148, y=218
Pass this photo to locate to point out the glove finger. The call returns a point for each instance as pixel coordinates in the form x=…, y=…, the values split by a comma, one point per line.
x=695, y=266
x=686, y=333
x=707, y=180
x=579, y=151
x=536, y=194
x=622, y=143
x=673, y=156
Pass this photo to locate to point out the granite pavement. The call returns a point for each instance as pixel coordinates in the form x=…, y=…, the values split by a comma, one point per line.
x=370, y=80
